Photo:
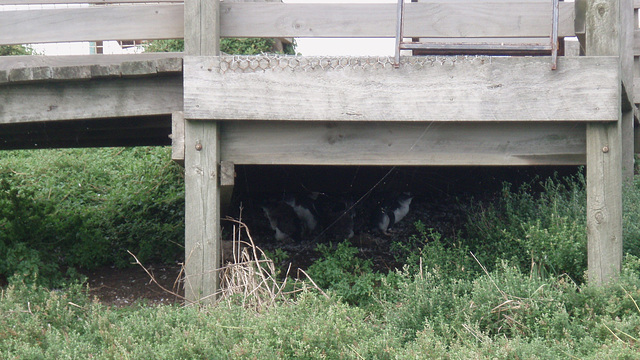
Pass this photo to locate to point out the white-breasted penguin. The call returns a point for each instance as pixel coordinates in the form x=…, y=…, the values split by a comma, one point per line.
x=305, y=210
x=283, y=220
x=391, y=214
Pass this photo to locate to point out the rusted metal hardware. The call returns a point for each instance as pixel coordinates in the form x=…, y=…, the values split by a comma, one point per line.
x=486, y=48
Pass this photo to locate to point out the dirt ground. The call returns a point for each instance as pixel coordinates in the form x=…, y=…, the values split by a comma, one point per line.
x=125, y=287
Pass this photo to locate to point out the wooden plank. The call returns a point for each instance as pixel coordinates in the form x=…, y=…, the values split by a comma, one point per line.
x=20, y=62
x=202, y=177
x=202, y=211
x=177, y=137
x=604, y=155
x=91, y=24
x=90, y=99
x=402, y=143
x=436, y=19
x=422, y=89
x=424, y=19
x=636, y=42
x=94, y=2
x=627, y=25
x=136, y=67
x=604, y=202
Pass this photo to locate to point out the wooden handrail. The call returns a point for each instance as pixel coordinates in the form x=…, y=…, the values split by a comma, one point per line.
x=434, y=19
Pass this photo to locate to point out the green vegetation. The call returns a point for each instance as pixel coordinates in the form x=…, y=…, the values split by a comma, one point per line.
x=522, y=294
x=7, y=50
x=232, y=46
x=86, y=207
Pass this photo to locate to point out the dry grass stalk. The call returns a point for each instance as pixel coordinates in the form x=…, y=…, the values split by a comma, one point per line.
x=249, y=277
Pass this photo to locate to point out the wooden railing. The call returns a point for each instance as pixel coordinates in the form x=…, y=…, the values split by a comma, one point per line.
x=133, y=19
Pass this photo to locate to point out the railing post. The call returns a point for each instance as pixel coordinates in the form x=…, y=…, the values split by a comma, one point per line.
x=202, y=159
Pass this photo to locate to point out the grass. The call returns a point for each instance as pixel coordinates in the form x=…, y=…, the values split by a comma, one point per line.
x=509, y=285
x=503, y=314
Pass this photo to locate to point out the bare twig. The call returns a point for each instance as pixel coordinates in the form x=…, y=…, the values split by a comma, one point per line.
x=153, y=279
x=612, y=333
x=489, y=276
x=314, y=283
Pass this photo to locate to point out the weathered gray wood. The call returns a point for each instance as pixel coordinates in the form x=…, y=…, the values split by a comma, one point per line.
x=91, y=24
x=627, y=25
x=202, y=27
x=604, y=154
x=202, y=158
x=177, y=137
x=422, y=89
x=424, y=19
x=43, y=68
x=202, y=211
x=627, y=37
x=604, y=201
x=571, y=48
x=104, y=98
x=227, y=173
x=433, y=19
x=96, y=2
x=396, y=143
x=19, y=62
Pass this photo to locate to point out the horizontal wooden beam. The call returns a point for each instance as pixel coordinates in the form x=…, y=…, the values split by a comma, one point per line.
x=92, y=2
x=423, y=89
x=423, y=19
x=105, y=98
x=277, y=20
x=77, y=67
x=94, y=23
x=380, y=143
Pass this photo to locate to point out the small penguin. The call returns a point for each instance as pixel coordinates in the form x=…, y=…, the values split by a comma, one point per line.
x=283, y=221
x=389, y=215
x=305, y=210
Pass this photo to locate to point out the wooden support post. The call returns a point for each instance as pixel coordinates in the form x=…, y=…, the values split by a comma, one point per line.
x=202, y=212
x=202, y=157
x=177, y=137
x=604, y=153
x=627, y=25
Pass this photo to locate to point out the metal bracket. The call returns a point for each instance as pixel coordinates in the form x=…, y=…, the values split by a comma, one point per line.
x=492, y=48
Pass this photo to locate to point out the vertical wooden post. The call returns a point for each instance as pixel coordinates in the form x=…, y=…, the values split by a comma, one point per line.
x=627, y=26
x=604, y=154
x=202, y=157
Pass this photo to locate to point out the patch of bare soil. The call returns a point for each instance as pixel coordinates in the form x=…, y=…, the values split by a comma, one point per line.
x=125, y=287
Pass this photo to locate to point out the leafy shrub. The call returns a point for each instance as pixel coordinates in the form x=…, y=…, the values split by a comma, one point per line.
x=86, y=207
x=427, y=250
x=343, y=272
x=233, y=46
x=546, y=229
x=7, y=50
x=503, y=314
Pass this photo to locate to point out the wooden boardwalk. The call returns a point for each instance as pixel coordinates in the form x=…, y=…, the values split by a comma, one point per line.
x=280, y=110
